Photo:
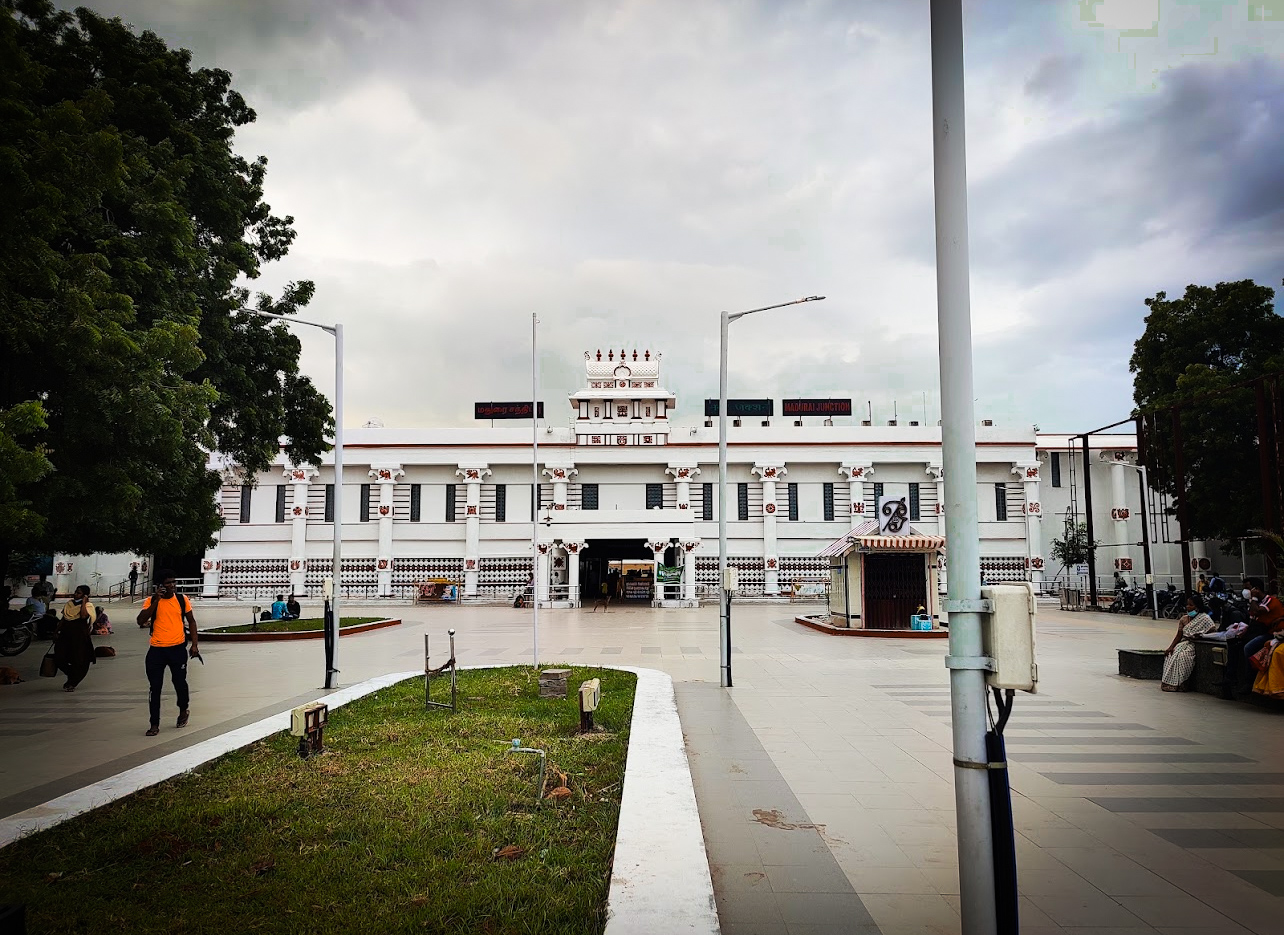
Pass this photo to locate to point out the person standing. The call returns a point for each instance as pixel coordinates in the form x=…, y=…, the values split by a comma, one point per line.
x=133, y=579
x=166, y=612
x=73, y=646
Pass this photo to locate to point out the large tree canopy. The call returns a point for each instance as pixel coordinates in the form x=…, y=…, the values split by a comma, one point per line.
x=128, y=228
x=1193, y=354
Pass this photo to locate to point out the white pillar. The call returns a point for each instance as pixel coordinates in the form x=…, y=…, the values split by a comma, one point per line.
x=683, y=474
x=856, y=472
x=770, y=473
x=299, y=478
x=1028, y=471
x=1119, y=512
x=657, y=559
x=560, y=474
x=937, y=473
x=689, y=570
x=473, y=474
x=541, y=573
x=385, y=475
x=573, y=550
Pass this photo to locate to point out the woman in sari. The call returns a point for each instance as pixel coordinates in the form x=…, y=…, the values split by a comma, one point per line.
x=73, y=647
x=1179, y=658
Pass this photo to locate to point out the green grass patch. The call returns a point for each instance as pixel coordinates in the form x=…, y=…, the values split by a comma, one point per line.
x=290, y=626
x=394, y=829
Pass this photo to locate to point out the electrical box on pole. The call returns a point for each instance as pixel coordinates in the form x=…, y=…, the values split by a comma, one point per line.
x=1008, y=636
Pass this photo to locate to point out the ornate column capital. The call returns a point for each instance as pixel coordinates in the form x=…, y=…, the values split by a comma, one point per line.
x=301, y=474
x=691, y=546
x=1119, y=458
x=856, y=470
x=386, y=473
x=574, y=548
x=934, y=470
x=1028, y=471
x=683, y=470
x=658, y=546
x=560, y=472
x=473, y=473
x=769, y=471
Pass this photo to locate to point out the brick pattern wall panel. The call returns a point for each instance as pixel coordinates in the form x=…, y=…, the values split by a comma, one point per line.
x=240, y=573
x=412, y=570
x=500, y=572
x=803, y=568
x=1000, y=569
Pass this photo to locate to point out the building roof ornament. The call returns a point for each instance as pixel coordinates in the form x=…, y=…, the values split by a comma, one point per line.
x=856, y=470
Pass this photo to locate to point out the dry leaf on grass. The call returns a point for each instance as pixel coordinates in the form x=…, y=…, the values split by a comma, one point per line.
x=561, y=792
x=508, y=852
x=263, y=867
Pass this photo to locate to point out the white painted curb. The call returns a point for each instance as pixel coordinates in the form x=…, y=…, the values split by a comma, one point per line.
x=660, y=875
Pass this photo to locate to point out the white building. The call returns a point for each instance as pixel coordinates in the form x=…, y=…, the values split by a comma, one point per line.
x=623, y=489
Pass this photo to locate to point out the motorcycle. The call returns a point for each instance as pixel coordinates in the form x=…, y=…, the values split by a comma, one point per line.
x=15, y=639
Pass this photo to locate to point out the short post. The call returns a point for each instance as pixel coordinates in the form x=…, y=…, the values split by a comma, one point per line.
x=307, y=722
x=590, y=698
x=552, y=683
x=430, y=673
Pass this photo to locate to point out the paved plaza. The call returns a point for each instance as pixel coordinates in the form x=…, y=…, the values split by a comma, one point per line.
x=823, y=778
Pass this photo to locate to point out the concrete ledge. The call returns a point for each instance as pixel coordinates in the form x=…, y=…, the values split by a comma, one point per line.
x=254, y=636
x=1141, y=663
x=814, y=621
x=660, y=878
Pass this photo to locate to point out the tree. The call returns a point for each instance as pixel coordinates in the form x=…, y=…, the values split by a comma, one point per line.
x=1195, y=353
x=129, y=230
x=1072, y=548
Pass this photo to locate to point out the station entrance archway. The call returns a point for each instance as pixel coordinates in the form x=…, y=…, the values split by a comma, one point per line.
x=625, y=566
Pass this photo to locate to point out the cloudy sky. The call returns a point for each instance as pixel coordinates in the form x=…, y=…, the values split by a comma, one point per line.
x=629, y=168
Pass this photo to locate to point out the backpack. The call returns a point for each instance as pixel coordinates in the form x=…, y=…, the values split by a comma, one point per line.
x=185, y=608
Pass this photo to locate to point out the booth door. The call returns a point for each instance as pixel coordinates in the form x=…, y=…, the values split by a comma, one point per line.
x=895, y=586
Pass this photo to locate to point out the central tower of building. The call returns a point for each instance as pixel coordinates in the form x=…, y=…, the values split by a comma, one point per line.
x=622, y=402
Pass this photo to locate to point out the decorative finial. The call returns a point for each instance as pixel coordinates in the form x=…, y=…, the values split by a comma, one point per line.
x=635, y=353
x=610, y=355
x=599, y=353
x=648, y=354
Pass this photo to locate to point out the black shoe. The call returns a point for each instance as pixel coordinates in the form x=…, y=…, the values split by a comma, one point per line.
x=153, y=730
x=182, y=718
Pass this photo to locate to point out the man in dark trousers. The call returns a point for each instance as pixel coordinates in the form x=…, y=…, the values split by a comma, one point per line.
x=133, y=580
x=166, y=612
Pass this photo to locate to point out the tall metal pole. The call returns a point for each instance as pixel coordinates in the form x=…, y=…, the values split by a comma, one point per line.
x=1183, y=517
x=535, y=575
x=1087, y=512
x=724, y=596
x=958, y=457
x=1144, y=481
x=332, y=670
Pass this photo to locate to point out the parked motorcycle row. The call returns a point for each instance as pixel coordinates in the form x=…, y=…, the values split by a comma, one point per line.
x=1223, y=607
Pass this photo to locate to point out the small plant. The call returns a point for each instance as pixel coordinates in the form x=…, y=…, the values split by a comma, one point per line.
x=1072, y=548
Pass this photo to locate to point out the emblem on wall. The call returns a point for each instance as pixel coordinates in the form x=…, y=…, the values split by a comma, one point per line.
x=298, y=474
x=207, y=565
x=472, y=511
x=543, y=548
x=572, y=547
x=470, y=474
x=858, y=506
x=770, y=508
x=470, y=564
x=621, y=439
x=1033, y=508
x=1120, y=512
x=385, y=474
x=682, y=506
x=684, y=473
x=894, y=516
x=559, y=506
x=296, y=565
x=1123, y=564
x=1037, y=563
x=769, y=472
x=858, y=472
x=298, y=511
x=384, y=510
x=1031, y=473
x=771, y=563
x=559, y=474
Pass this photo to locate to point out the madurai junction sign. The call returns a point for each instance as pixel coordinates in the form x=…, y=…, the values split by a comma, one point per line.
x=815, y=407
x=505, y=410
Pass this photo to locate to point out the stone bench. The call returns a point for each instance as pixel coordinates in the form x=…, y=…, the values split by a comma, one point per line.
x=1141, y=663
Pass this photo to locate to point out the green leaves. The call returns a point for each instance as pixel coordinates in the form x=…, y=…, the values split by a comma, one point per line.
x=128, y=223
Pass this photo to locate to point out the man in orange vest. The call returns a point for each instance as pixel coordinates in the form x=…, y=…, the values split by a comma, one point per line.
x=165, y=612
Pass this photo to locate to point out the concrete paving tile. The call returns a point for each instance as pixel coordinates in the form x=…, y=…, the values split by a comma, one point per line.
x=893, y=880
x=1240, y=858
x=931, y=855
x=752, y=928
x=1224, y=929
x=735, y=879
x=944, y=880
x=1113, y=873
x=1178, y=910
x=906, y=910
x=818, y=877
x=741, y=907
x=828, y=909
x=1055, y=881
x=1085, y=910
x=832, y=928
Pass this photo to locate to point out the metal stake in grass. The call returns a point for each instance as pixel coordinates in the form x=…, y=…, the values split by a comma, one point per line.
x=543, y=764
x=430, y=673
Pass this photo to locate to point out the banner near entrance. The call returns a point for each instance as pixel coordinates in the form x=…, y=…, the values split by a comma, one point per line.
x=505, y=410
x=668, y=574
x=815, y=407
x=742, y=407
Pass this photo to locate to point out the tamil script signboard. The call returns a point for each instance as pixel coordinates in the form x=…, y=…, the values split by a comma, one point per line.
x=742, y=407
x=815, y=407
x=520, y=410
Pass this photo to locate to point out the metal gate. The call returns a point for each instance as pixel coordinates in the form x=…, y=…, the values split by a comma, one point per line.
x=895, y=586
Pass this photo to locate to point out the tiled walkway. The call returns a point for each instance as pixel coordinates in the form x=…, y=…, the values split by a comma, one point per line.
x=1136, y=811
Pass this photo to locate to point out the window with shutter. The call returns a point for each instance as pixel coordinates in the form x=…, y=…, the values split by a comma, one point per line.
x=329, y=503
x=1001, y=502
x=914, y=508
x=501, y=503
x=793, y=502
x=829, y=503
x=654, y=496
x=416, y=503
x=588, y=496
x=742, y=501
x=706, y=511
x=450, y=503
x=280, y=503
x=365, y=503
x=1056, y=469
x=245, y=503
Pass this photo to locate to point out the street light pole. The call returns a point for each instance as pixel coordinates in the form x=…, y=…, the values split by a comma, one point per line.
x=336, y=572
x=966, y=664
x=535, y=574
x=724, y=601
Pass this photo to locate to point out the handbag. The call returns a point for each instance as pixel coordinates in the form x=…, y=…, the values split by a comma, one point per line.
x=48, y=667
x=1262, y=658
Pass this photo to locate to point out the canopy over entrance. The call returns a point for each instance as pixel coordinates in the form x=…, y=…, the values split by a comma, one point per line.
x=866, y=538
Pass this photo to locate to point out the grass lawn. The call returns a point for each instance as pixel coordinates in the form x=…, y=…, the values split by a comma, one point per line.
x=290, y=626
x=396, y=828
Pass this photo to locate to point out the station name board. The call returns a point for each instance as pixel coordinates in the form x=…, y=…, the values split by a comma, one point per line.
x=816, y=407
x=505, y=410
x=742, y=407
